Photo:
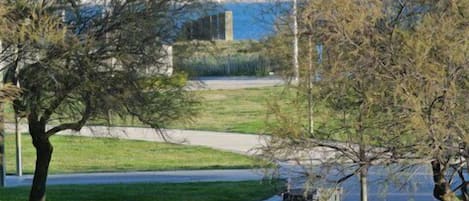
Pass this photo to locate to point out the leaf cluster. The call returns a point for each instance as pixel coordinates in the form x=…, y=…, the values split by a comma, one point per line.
x=77, y=62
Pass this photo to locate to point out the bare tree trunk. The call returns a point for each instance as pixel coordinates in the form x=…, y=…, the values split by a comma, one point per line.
x=364, y=183
x=441, y=190
x=464, y=189
x=2, y=148
x=43, y=156
x=2, y=159
x=464, y=193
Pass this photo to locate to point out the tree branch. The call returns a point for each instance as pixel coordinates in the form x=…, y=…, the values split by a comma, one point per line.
x=76, y=126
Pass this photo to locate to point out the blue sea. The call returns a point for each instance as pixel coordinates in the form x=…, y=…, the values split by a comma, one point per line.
x=251, y=21
x=254, y=21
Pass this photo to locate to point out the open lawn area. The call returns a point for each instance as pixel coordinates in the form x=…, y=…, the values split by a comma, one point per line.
x=226, y=110
x=84, y=154
x=239, y=110
x=213, y=191
x=236, y=110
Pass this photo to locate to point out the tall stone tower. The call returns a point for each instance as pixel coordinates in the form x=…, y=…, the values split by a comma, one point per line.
x=229, y=25
x=213, y=27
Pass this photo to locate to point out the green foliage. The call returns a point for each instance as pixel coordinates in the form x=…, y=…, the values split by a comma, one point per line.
x=152, y=82
x=88, y=64
x=278, y=49
x=392, y=80
x=9, y=92
x=431, y=67
x=81, y=62
x=27, y=23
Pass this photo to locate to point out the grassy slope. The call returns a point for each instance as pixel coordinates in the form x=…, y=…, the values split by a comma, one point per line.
x=240, y=110
x=219, y=191
x=82, y=154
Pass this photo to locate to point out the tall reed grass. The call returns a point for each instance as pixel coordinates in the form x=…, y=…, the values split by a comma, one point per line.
x=243, y=64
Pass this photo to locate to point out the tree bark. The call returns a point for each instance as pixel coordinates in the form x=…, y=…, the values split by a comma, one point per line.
x=2, y=159
x=2, y=148
x=464, y=193
x=364, y=183
x=441, y=190
x=43, y=157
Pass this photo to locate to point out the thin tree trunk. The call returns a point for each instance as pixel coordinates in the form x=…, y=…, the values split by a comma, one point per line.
x=364, y=183
x=464, y=193
x=2, y=159
x=2, y=148
x=464, y=189
x=43, y=156
x=441, y=190
x=296, y=64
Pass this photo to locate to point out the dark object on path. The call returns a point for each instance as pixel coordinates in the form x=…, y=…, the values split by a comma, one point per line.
x=321, y=194
x=298, y=195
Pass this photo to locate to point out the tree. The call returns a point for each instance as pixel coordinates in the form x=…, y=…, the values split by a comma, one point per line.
x=392, y=83
x=77, y=62
x=431, y=66
x=351, y=98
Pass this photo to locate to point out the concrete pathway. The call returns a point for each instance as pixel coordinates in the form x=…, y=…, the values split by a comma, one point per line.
x=234, y=142
x=213, y=83
x=182, y=176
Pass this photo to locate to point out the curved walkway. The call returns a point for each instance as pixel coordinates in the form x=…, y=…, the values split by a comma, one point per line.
x=182, y=176
x=235, y=142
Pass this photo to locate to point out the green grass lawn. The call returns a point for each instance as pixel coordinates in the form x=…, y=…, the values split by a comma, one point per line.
x=236, y=110
x=240, y=110
x=212, y=191
x=83, y=154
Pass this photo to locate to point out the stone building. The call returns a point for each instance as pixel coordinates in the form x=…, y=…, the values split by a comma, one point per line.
x=213, y=27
